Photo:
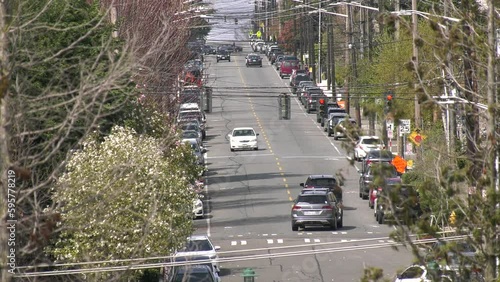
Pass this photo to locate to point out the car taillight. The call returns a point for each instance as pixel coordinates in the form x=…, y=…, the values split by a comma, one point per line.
x=295, y=208
x=326, y=208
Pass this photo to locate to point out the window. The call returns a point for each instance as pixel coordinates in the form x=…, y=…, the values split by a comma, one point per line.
x=412, y=272
x=321, y=182
x=371, y=141
x=198, y=245
x=312, y=199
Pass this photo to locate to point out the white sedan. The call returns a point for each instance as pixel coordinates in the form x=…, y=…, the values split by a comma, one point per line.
x=365, y=144
x=243, y=138
x=198, y=207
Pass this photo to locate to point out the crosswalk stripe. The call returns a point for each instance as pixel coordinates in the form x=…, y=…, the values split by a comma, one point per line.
x=270, y=241
x=234, y=243
x=307, y=240
x=280, y=241
x=316, y=240
x=243, y=243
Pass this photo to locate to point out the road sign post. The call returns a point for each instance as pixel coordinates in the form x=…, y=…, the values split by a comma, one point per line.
x=404, y=129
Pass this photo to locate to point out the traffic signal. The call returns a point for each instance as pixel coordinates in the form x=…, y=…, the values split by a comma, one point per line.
x=322, y=105
x=389, y=98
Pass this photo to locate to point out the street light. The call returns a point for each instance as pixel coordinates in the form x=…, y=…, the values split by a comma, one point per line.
x=414, y=13
x=320, y=11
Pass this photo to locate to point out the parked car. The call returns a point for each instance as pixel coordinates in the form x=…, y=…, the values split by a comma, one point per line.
x=365, y=144
x=192, y=135
x=193, y=273
x=198, y=207
x=307, y=92
x=274, y=56
x=346, y=127
x=298, y=78
x=316, y=208
x=223, y=55
x=243, y=138
x=200, y=245
x=399, y=201
x=296, y=72
x=278, y=61
x=329, y=107
x=419, y=273
x=333, y=119
x=196, y=125
x=209, y=50
x=253, y=60
x=287, y=67
x=377, y=156
x=377, y=189
x=197, y=151
x=312, y=101
x=367, y=177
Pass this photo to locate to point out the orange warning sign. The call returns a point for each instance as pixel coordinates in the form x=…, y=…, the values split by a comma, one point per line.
x=399, y=163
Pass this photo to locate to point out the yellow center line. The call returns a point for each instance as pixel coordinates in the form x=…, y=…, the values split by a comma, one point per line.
x=264, y=135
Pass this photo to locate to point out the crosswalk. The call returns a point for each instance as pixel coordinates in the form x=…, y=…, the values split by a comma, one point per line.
x=279, y=241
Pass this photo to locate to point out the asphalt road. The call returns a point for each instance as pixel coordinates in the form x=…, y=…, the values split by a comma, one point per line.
x=250, y=193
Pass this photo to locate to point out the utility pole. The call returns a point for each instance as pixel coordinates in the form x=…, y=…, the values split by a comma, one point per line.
x=331, y=47
x=414, y=24
x=348, y=60
x=328, y=55
x=4, y=152
x=311, y=48
x=397, y=7
x=354, y=66
x=491, y=264
x=319, y=41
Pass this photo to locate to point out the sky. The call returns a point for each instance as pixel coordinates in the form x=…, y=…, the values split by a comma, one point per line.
x=229, y=31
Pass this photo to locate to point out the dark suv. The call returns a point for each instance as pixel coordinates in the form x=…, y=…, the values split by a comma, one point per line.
x=401, y=202
x=223, y=55
x=324, y=181
x=319, y=207
x=367, y=178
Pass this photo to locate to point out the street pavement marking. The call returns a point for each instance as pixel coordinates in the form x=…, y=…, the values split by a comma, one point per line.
x=274, y=234
x=316, y=241
x=280, y=241
x=335, y=233
x=270, y=241
x=307, y=240
x=343, y=240
x=243, y=243
x=234, y=243
x=265, y=234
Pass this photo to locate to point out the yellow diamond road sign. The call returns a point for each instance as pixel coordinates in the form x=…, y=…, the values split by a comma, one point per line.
x=417, y=137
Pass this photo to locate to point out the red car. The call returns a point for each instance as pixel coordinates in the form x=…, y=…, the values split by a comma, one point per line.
x=374, y=191
x=287, y=67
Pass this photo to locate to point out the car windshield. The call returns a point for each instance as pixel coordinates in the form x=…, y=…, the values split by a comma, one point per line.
x=312, y=199
x=321, y=182
x=190, y=127
x=189, y=115
x=189, y=134
x=303, y=78
x=198, y=246
x=380, y=154
x=192, y=277
x=290, y=64
x=243, y=132
x=370, y=141
x=195, y=147
x=253, y=57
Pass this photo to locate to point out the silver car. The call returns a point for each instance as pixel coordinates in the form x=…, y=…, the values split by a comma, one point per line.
x=318, y=207
x=197, y=150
